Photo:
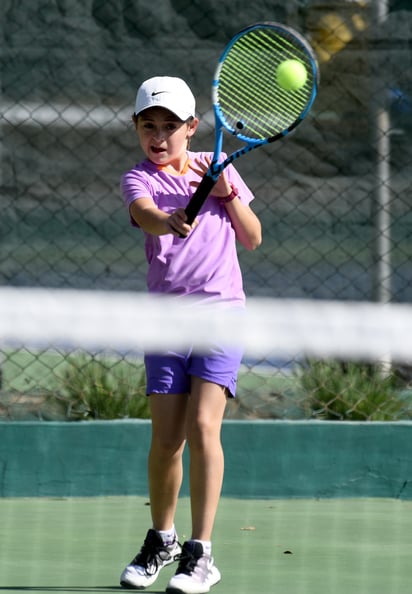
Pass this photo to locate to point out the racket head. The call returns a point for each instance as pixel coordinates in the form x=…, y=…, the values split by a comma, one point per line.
x=248, y=101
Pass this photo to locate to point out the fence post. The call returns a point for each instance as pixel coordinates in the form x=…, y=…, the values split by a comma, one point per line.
x=381, y=200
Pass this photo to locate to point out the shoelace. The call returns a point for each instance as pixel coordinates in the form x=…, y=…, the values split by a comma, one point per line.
x=187, y=562
x=149, y=555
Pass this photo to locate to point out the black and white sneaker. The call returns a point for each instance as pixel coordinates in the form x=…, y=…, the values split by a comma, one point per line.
x=145, y=567
x=196, y=572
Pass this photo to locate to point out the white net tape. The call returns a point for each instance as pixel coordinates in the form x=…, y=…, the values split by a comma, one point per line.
x=131, y=321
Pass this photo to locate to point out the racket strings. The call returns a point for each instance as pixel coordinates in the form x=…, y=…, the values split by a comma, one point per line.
x=264, y=112
x=248, y=94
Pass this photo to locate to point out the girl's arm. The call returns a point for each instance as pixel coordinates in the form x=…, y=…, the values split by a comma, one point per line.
x=245, y=223
x=153, y=220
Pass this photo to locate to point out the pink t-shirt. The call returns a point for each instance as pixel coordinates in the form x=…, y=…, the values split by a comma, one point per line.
x=205, y=264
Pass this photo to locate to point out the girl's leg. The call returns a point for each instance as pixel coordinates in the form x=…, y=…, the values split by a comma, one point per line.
x=205, y=409
x=165, y=470
x=165, y=477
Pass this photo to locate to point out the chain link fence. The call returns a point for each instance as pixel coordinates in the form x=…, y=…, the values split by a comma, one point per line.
x=334, y=198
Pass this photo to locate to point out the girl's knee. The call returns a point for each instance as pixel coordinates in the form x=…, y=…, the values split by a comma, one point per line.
x=167, y=447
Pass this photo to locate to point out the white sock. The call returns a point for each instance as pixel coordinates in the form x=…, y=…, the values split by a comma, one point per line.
x=168, y=536
x=206, y=544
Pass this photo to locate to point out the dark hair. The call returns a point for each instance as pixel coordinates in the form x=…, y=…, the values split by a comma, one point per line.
x=135, y=117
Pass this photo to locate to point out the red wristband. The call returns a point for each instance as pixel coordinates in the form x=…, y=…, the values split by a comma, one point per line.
x=233, y=194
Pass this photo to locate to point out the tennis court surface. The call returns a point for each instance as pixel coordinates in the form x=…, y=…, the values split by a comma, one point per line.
x=296, y=546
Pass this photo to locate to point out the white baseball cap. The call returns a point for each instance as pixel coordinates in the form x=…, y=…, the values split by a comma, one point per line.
x=169, y=92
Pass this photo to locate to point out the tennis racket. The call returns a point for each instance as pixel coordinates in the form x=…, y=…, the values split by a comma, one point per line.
x=248, y=100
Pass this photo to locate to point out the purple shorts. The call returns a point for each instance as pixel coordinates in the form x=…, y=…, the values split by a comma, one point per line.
x=170, y=372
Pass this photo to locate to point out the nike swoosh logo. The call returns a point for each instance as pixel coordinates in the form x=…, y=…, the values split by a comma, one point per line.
x=157, y=93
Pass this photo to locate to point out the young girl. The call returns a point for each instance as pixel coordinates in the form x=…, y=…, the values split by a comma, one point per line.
x=187, y=390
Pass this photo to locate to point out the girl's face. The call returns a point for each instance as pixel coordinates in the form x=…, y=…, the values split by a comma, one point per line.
x=163, y=137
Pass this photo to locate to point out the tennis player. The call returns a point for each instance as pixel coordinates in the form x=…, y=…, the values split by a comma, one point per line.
x=187, y=390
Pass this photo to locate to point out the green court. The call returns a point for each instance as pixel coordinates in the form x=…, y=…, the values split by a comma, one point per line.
x=270, y=546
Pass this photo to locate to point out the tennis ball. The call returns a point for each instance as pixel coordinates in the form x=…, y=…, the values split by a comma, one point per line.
x=291, y=75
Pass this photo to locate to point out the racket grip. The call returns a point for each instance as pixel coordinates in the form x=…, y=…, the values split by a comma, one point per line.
x=199, y=197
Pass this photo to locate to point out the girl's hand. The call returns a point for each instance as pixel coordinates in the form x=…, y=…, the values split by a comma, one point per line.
x=221, y=189
x=176, y=223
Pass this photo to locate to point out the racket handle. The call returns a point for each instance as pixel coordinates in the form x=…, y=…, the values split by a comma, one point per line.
x=199, y=197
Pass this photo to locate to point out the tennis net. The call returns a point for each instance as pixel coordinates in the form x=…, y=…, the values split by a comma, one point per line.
x=310, y=504
x=132, y=321
x=302, y=358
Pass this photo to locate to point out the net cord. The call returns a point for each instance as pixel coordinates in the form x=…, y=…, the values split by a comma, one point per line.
x=126, y=321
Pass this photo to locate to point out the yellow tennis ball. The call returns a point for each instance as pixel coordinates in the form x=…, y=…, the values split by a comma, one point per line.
x=291, y=75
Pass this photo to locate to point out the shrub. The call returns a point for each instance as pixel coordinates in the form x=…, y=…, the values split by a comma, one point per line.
x=99, y=388
x=350, y=391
